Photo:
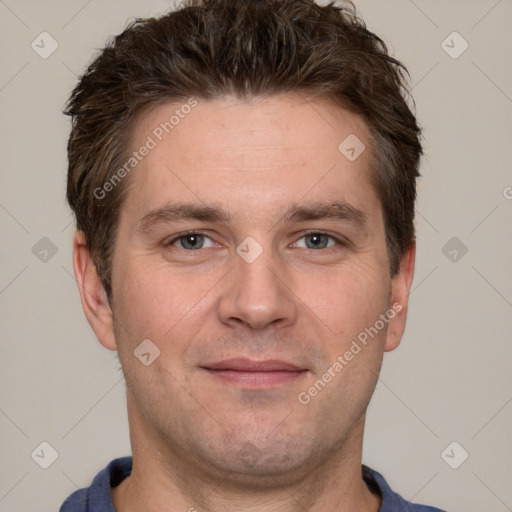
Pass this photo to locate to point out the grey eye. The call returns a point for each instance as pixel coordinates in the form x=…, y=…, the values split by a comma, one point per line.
x=191, y=241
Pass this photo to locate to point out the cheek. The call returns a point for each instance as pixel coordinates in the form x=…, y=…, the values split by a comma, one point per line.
x=167, y=305
x=346, y=300
x=155, y=302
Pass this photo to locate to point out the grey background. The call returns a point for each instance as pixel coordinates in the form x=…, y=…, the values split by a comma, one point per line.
x=450, y=380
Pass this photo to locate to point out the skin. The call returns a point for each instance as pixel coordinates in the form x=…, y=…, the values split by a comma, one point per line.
x=199, y=441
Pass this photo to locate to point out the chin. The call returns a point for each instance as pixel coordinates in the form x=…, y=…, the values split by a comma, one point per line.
x=276, y=461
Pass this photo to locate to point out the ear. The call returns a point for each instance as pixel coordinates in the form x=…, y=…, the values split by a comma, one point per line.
x=400, y=288
x=92, y=293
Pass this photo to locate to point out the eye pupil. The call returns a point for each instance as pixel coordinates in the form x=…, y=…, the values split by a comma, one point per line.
x=316, y=240
x=192, y=241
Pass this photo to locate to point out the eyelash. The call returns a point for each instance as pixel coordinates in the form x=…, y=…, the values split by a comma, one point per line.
x=338, y=241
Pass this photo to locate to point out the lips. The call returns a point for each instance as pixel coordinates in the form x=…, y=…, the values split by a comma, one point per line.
x=251, y=374
x=248, y=365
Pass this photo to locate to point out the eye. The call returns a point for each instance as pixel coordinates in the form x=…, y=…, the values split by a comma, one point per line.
x=192, y=241
x=317, y=240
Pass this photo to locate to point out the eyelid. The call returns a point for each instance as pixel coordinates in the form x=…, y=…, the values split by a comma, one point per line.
x=340, y=240
x=178, y=236
x=337, y=238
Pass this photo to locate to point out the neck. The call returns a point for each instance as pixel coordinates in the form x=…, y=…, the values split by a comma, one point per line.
x=164, y=479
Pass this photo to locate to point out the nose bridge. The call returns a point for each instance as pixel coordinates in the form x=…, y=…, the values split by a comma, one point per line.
x=257, y=294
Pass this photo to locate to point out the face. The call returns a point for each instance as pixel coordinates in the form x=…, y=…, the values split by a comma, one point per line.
x=251, y=252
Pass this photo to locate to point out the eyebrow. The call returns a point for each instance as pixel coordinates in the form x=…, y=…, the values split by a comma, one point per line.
x=336, y=210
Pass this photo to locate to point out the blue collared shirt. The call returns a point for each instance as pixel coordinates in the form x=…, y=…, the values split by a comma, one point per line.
x=98, y=497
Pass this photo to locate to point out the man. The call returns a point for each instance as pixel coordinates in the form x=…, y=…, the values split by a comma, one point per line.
x=243, y=179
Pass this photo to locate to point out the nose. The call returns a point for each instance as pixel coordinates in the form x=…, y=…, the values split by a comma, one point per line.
x=258, y=294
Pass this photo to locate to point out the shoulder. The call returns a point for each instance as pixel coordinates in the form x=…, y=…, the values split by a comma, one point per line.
x=98, y=497
x=391, y=501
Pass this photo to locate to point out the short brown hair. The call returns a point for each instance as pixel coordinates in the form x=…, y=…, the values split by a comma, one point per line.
x=210, y=49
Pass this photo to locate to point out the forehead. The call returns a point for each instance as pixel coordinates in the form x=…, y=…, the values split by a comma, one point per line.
x=283, y=123
x=269, y=150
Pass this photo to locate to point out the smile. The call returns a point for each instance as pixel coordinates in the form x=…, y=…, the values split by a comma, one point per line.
x=251, y=374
